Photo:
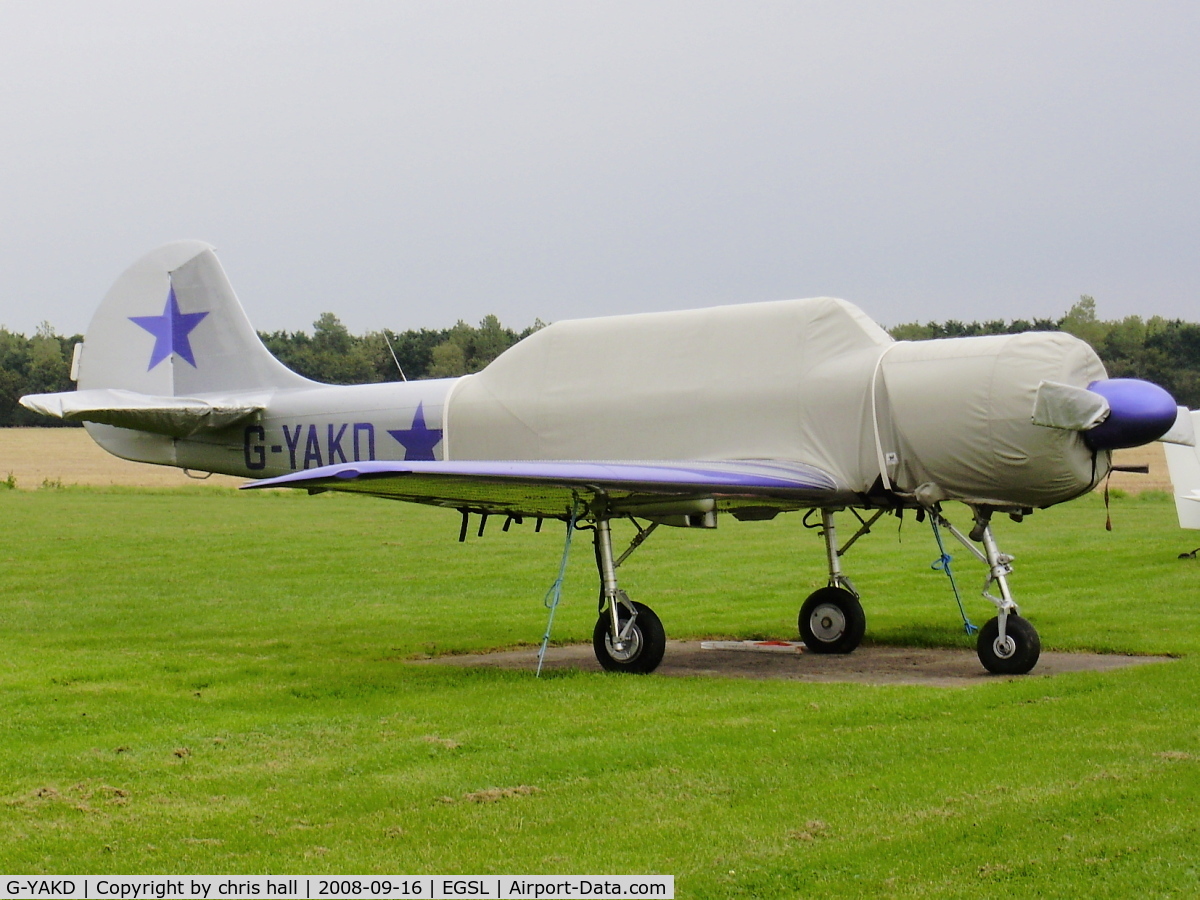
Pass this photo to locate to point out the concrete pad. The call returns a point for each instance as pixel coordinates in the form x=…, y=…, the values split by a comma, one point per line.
x=936, y=667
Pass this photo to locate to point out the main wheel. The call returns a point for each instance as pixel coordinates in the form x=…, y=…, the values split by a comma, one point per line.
x=832, y=621
x=1017, y=654
x=644, y=649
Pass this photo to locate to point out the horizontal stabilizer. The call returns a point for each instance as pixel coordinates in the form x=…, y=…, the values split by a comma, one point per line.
x=1071, y=408
x=177, y=417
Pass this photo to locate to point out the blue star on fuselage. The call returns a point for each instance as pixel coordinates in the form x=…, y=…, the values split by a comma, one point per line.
x=418, y=441
x=170, y=331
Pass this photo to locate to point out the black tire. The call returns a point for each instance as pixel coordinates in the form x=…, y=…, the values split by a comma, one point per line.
x=1018, y=658
x=647, y=641
x=832, y=621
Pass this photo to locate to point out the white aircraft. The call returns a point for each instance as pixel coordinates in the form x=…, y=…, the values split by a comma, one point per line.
x=1183, y=464
x=675, y=418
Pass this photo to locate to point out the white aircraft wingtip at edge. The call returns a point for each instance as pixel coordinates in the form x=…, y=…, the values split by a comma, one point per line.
x=1183, y=466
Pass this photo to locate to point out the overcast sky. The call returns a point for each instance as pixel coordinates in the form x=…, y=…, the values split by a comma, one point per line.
x=409, y=164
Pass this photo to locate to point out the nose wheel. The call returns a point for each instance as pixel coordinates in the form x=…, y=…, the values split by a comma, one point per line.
x=1007, y=644
x=1014, y=654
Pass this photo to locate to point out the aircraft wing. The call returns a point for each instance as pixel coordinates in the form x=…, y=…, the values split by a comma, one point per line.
x=750, y=489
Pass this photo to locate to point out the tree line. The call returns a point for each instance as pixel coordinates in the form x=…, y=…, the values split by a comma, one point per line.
x=333, y=355
x=1165, y=351
x=330, y=354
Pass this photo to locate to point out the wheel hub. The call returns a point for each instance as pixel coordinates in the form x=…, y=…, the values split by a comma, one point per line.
x=828, y=622
x=630, y=647
x=1004, y=648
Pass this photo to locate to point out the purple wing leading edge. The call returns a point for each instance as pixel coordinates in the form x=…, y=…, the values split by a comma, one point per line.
x=550, y=488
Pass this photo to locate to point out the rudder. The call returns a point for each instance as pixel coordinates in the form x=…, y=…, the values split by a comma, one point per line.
x=171, y=326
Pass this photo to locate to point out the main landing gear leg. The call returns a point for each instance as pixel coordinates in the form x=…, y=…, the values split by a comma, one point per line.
x=628, y=636
x=831, y=619
x=1007, y=644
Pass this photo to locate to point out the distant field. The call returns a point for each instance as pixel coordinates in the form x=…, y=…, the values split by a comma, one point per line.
x=36, y=456
x=208, y=681
x=69, y=456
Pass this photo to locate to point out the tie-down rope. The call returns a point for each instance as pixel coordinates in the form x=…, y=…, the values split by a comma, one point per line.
x=554, y=595
x=943, y=563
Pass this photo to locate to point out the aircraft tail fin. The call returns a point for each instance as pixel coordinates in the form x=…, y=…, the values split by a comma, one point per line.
x=169, y=353
x=171, y=326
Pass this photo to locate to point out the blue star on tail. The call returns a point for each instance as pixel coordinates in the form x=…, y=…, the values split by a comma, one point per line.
x=418, y=441
x=170, y=331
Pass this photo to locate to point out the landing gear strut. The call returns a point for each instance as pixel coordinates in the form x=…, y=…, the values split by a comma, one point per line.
x=1007, y=644
x=628, y=636
x=831, y=619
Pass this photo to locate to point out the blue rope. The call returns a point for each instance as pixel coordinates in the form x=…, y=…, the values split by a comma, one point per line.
x=554, y=595
x=942, y=563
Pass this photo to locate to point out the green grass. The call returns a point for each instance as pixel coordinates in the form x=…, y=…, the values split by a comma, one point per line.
x=203, y=681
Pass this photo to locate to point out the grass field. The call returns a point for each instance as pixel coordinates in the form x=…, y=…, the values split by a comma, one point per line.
x=205, y=681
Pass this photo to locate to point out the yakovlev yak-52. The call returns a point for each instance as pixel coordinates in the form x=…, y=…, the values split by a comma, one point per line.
x=670, y=418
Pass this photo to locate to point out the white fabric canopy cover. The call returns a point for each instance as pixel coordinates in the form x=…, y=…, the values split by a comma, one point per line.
x=813, y=381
